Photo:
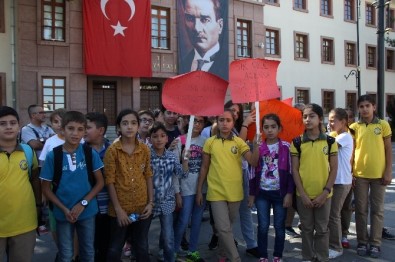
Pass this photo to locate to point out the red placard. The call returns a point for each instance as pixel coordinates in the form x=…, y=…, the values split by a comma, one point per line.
x=290, y=117
x=253, y=80
x=195, y=93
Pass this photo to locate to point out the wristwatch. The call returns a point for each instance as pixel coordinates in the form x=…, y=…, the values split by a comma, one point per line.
x=84, y=202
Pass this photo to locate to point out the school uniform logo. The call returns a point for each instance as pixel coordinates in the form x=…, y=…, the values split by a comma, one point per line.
x=325, y=150
x=377, y=131
x=234, y=149
x=23, y=165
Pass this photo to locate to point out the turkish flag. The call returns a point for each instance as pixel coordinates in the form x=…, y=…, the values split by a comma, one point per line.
x=117, y=37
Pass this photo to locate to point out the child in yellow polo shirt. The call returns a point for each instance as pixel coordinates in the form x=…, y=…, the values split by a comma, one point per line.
x=314, y=176
x=373, y=172
x=222, y=155
x=20, y=196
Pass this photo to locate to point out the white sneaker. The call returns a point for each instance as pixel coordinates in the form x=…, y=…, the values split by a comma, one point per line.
x=334, y=254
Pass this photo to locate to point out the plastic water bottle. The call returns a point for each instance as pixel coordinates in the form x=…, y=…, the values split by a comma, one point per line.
x=134, y=217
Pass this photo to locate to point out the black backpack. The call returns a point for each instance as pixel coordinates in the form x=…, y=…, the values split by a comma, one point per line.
x=297, y=141
x=58, y=167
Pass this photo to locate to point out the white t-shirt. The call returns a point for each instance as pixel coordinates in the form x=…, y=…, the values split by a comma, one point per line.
x=346, y=147
x=50, y=144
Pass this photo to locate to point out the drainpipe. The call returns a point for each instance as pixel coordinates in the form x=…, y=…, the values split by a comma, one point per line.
x=13, y=54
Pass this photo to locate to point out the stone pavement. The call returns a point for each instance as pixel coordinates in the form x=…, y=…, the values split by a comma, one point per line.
x=46, y=250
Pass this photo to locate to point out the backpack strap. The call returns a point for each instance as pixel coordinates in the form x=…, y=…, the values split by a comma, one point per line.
x=34, y=131
x=297, y=141
x=57, y=171
x=58, y=167
x=89, y=164
x=330, y=140
x=29, y=157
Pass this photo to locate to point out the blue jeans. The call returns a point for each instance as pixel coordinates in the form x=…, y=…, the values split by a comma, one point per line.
x=86, y=236
x=246, y=224
x=263, y=202
x=139, y=239
x=189, y=210
x=167, y=231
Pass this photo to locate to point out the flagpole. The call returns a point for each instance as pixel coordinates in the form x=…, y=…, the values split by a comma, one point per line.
x=189, y=136
x=257, y=120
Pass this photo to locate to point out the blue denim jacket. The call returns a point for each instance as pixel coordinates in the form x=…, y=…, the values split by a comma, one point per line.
x=287, y=184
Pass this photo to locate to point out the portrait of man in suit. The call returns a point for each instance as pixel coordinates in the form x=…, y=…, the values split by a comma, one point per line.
x=203, y=37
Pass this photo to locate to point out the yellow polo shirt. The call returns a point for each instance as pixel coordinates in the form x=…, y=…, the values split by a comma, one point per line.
x=369, y=160
x=17, y=203
x=314, y=164
x=225, y=176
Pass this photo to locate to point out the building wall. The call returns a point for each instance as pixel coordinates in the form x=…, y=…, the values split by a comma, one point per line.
x=313, y=74
x=37, y=58
x=6, y=51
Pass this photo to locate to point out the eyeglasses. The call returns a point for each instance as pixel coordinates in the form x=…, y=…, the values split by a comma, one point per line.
x=41, y=113
x=147, y=121
x=200, y=122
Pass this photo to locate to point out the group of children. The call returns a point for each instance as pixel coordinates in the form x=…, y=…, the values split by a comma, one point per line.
x=146, y=175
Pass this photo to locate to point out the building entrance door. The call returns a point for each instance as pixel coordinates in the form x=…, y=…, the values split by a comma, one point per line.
x=105, y=99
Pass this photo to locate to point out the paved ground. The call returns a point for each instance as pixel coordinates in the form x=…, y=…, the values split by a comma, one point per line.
x=45, y=249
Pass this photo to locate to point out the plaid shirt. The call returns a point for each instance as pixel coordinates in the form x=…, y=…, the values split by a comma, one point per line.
x=164, y=167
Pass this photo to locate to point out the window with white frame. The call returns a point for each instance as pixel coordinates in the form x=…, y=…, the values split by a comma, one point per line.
x=272, y=42
x=53, y=92
x=53, y=20
x=243, y=38
x=160, y=27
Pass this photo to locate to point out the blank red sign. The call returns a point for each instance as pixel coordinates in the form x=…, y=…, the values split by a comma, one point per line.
x=195, y=93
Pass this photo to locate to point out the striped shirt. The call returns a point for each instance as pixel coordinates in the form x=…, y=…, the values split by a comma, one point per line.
x=164, y=168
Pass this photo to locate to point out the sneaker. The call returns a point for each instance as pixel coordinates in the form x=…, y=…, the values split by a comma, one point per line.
x=194, y=257
x=362, y=250
x=334, y=254
x=345, y=243
x=42, y=230
x=289, y=231
x=213, y=242
x=263, y=259
x=253, y=252
x=387, y=235
x=375, y=251
x=277, y=259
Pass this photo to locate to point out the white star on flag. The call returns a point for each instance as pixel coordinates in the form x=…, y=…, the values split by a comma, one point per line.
x=118, y=29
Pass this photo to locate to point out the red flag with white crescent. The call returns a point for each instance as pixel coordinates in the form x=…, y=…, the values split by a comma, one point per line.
x=117, y=37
